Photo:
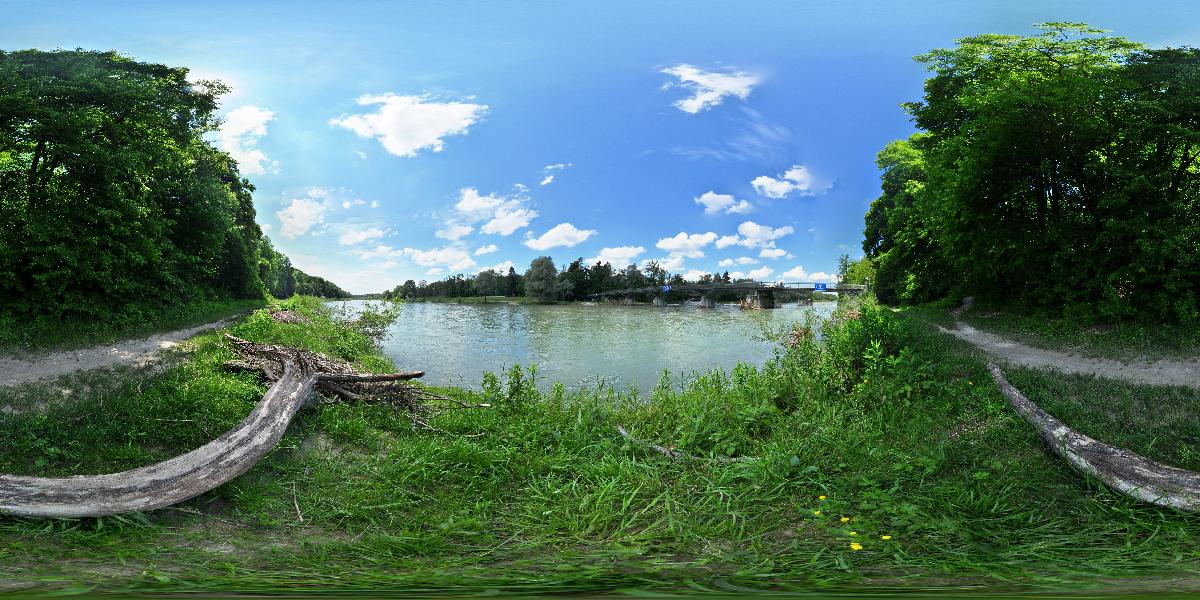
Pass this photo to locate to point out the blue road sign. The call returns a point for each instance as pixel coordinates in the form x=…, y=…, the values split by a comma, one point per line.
x=820, y=287
x=666, y=288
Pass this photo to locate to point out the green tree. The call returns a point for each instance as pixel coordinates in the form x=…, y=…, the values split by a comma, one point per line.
x=541, y=280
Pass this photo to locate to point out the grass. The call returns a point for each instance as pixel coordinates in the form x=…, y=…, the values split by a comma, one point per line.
x=49, y=335
x=882, y=421
x=1123, y=341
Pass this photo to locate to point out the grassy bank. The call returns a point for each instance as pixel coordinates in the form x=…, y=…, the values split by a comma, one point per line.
x=46, y=334
x=883, y=457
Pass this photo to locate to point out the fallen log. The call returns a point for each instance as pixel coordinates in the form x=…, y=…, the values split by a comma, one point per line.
x=1123, y=471
x=680, y=455
x=294, y=375
x=173, y=480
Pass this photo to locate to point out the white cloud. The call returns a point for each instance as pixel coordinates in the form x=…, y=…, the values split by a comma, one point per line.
x=760, y=273
x=672, y=263
x=715, y=203
x=380, y=251
x=374, y=204
x=361, y=154
x=453, y=258
x=351, y=236
x=798, y=178
x=798, y=274
x=563, y=234
x=694, y=274
x=353, y=202
x=454, y=231
x=434, y=271
x=302, y=214
x=239, y=135
x=618, y=257
x=741, y=260
x=504, y=214
x=709, y=88
x=508, y=220
x=754, y=235
x=725, y=262
x=556, y=167
x=773, y=253
x=405, y=125
x=727, y=240
x=488, y=249
x=686, y=245
x=501, y=268
x=548, y=180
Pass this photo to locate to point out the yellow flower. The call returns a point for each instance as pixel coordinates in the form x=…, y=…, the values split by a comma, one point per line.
x=817, y=513
x=855, y=546
x=845, y=519
x=853, y=533
x=820, y=497
x=885, y=537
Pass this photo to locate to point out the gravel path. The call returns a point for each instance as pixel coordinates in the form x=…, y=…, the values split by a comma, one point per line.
x=1159, y=372
x=135, y=353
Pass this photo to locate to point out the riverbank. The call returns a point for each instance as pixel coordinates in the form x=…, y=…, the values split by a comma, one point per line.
x=881, y=457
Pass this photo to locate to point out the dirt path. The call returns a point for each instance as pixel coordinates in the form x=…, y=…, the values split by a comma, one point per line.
x=135, y=353
x=1159, y=372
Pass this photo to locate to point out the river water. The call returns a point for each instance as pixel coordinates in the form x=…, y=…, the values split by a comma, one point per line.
x=576, y=344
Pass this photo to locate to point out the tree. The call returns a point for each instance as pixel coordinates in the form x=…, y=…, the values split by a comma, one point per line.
x=541, y=280
x=486, y=282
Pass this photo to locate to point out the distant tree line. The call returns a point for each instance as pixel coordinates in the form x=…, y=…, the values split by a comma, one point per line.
x=1056, y=172
x=543, y=281
x=113, y=206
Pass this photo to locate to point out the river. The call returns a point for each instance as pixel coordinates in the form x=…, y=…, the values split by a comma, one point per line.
x=576, y=344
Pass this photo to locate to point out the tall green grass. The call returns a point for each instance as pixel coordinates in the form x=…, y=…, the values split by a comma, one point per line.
x=877, y=420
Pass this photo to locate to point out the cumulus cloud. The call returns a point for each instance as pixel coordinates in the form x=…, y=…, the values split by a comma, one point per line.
x=405, y=125
x=454, y=231
x=798, y=274
x=619, y=256
x=452, y=258
x=774, y=253
x=353, y=202
x=694, y=274
x=716, y=203
x=798, y=179
x=726, y=241
x=501, y=268
x=488, y=249
x=672, y=263
x=760, y=273
x=504, y=214
x=686, y=245
x=741, y=260
x=239, y=136
x=754, y=235
x=351, y=235
x=380, y=251
x=302, y=214
x=563, y=234
x=709, y=88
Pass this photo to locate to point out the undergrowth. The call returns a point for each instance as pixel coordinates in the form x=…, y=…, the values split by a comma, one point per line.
x=875, y=451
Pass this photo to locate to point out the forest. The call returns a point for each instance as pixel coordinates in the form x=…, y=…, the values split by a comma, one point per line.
x=1054, y=173
x=113, y=205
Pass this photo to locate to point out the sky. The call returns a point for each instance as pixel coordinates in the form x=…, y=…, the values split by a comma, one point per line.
x=403, y=140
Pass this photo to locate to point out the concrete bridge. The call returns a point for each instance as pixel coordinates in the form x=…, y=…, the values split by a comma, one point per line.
x=763, y=293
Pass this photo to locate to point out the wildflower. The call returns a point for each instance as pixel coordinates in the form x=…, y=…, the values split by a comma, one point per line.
x=820, y=497
x=817, y=513
x=845, y=519
x=885, y=537
x=969, y=383
x=853, y=533
x=855, y=546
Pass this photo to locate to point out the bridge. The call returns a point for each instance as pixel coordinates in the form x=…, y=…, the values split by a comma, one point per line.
x=763, y=293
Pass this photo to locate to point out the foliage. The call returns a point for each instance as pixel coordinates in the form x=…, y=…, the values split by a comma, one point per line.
x=112, y=206
x=1055, y=172
x=871, y=418
x=541, y=280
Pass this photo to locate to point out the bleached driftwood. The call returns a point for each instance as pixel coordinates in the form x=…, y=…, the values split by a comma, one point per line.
x=1125, y=472
x=679, y=454
x=294, y=374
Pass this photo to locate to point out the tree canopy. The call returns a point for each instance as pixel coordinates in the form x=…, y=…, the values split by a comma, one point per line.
x=1054, y=172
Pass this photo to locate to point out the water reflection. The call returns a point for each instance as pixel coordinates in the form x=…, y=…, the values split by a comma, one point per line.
x=577, y=344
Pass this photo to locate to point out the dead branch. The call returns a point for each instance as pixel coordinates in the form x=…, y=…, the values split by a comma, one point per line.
x=679, y=454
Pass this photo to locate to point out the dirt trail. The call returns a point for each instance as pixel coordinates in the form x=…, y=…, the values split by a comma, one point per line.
x=135, y=353
x=1159, y=372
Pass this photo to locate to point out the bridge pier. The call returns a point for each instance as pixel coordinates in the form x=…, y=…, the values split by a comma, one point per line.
x=765, y=299
x=659, y=300
x=708, y=301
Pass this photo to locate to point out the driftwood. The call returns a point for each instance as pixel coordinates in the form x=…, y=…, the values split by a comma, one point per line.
x=1125, y=472
x=294, y=375
x=679, y=454
x=287, y=316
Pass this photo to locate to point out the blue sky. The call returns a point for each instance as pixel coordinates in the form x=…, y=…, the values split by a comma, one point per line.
x=392, y=140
